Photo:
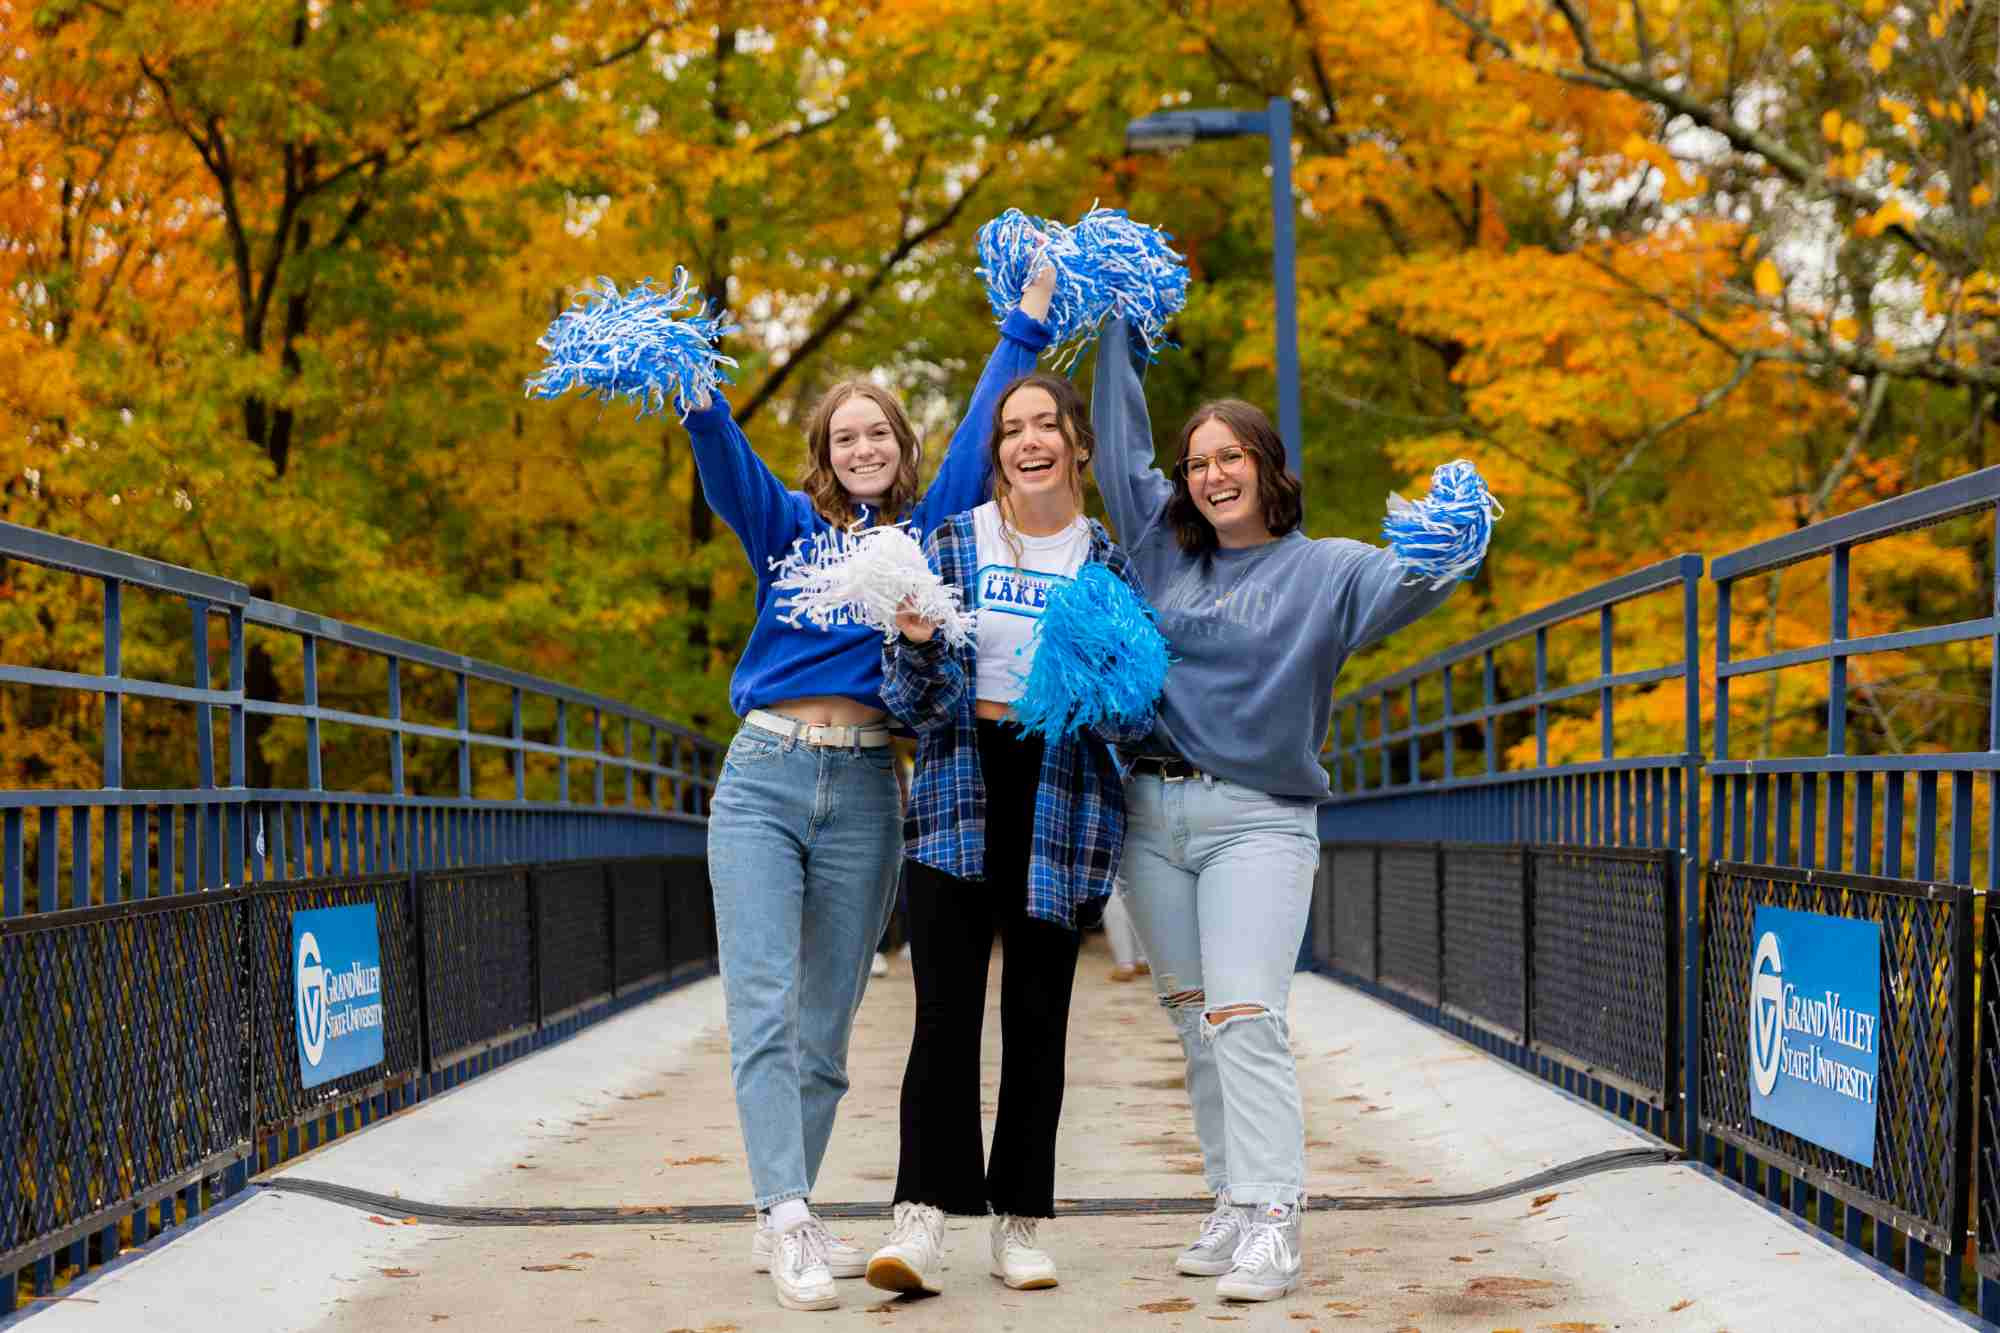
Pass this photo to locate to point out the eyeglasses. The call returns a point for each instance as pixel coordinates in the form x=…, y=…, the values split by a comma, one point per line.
x=1195, y=466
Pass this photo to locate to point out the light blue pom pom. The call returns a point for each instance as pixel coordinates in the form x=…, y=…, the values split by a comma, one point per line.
x=1106, y=265
x=1443, y=536
x=640, y=345
x=1099, y=658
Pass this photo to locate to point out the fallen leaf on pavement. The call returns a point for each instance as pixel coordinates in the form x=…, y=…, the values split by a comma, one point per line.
x=380, y=1221
x=549, y=1268
x=1178, y=1305
x=700, y=1159
x=580, y=1254
x=397, y=1272
x=1363, y=1249
x=1544, y=1200
x=1678, y=1306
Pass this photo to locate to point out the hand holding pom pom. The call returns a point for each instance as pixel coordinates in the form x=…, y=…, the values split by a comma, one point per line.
x=1444, y=535
x=638, y=346
x=1105, y=265
x=878, y=576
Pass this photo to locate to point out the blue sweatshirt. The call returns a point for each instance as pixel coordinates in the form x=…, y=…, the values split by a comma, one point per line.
x=1260, y=633
x=792, y=661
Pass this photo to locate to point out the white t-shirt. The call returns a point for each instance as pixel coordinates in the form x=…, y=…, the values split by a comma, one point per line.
x=1009, y=593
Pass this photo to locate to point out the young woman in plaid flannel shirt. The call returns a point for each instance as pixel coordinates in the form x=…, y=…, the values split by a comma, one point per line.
x=1005, y=834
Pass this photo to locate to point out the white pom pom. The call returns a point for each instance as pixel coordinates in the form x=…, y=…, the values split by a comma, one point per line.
x=870, y=574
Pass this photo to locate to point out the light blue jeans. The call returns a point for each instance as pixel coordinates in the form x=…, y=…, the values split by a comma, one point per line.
x=803, y=845
x=1219, y=880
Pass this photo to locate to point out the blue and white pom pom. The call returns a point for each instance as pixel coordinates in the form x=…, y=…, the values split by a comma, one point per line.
x=1443, y=536
x=1099, y=658
x=1105, y=265
x=642, y=345
x=867, y=575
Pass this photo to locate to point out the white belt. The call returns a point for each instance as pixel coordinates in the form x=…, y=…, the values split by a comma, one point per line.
x=819, y=733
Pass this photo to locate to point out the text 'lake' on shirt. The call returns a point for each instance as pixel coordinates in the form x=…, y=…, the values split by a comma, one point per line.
x=1011, y=592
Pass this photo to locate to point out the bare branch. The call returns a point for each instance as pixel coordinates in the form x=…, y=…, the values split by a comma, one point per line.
x=1597, y=491
x=797, y=132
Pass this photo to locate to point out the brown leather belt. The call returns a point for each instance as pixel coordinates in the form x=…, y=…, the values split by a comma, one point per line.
x=1168, y=769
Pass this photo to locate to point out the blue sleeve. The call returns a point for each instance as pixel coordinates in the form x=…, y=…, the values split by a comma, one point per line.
x=1135, y=492
x=964, y=479
x=922, y=683
x=739, y=487
x=1370, y=595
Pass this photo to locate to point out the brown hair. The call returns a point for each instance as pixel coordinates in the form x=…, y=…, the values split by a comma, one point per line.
x=822, y=484
x=1071, y=419
x=1277, y=489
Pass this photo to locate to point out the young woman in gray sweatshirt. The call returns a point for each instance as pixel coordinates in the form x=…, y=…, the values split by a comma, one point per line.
x=1222, y=838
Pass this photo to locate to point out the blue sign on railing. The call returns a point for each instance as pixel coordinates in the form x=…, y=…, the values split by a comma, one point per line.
x=337, y=989
x=1815, y=1027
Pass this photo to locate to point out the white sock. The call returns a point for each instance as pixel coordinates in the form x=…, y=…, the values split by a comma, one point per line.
x=786, y=1215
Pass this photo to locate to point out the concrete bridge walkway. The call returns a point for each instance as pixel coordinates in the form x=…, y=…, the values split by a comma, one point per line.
x=637, y=1111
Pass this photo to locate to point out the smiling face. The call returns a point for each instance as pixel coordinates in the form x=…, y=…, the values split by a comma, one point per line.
x=1037, y=460
x=863, y=449
x=1221, y=474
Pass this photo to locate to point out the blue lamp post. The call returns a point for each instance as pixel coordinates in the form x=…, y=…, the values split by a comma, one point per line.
x=1166, y=130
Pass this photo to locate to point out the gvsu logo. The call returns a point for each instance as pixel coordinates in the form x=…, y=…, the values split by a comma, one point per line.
x=1767, y=1014
x=311, y=986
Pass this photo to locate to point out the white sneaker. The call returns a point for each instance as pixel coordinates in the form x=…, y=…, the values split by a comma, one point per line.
x=1016, y=1261
x=1214, y=1251
x=880, y=967
x=914, y=1255
x=842, y=1258
x=798, y=1269
x=1269, y=1262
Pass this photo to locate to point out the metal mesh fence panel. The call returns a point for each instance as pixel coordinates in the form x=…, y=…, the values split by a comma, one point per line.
x=1486, y=937
x=1408, y=905
x=479, y=960
x=690, y=912
x=123, y=1062
x=1351, y=883
x=1603, y=970
x=282, y=1099
x=1923, y=1091
x=1988, y=1126
x=638, y=922
x=573, y=927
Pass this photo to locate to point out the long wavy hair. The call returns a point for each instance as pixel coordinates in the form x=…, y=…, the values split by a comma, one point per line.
x=822, y=484
x=1072, y=420
x=1278, y=491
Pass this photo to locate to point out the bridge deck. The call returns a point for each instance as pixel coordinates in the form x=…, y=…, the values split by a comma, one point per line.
x=637, y=1111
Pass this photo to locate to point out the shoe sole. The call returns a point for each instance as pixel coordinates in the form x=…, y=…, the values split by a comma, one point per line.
x=1203, y=1267
x=1246, y=1292
x=1027, y=1283
x=895, y=1275
x=823, y=1303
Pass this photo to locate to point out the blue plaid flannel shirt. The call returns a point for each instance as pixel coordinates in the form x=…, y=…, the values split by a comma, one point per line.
x=1079, y=800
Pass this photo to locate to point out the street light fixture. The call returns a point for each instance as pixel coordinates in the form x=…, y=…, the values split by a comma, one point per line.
x=1164, y=131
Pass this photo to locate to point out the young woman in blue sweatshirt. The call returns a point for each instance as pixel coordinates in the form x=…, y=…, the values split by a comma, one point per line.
x=803, y=835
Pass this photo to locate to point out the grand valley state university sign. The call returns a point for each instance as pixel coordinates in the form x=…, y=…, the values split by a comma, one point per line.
x=337, y=991
x=1815, y=1028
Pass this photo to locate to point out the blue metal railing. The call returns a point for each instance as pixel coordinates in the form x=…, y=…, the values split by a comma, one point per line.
x=1797, y=810
x=215, y=830
x=101, y=846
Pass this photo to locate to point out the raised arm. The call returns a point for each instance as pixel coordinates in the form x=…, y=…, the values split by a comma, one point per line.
x=1371, y=595
x=739, y=487
x=964, y=479
x=1135, y=492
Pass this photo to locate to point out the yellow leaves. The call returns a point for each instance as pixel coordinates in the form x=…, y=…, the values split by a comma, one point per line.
x=1884, y=48
x=1899, y=112
x=1767, y=280
x=1852, y=136
x=1895, y=213
x=1935, y=196
x=1979, y=103
x=1982, y=195
x=1829, y=126
x=1846, y=329
x=1872, y=9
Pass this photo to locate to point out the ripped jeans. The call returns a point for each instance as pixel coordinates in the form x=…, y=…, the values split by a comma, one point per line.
x=1219, y=881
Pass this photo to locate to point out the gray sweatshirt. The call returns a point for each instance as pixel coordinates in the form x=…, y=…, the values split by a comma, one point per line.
x=1260, y=633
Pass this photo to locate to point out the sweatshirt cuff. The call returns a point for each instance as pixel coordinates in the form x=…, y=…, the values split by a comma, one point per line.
x=1025, y=328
